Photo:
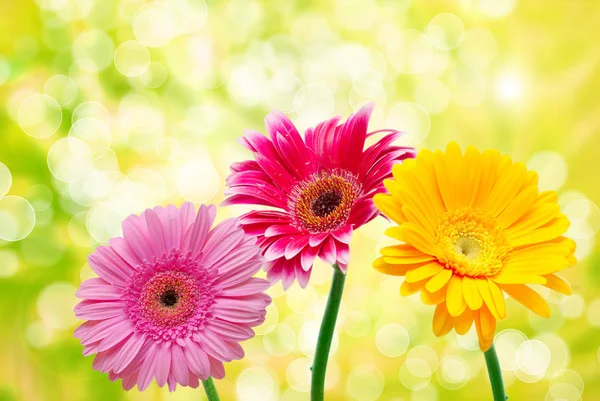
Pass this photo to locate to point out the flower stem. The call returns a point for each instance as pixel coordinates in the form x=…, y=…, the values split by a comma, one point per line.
x=319, y=367
x=210, y=389
x=495, y=374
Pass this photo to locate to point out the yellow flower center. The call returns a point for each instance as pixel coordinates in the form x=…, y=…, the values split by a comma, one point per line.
x=472, y=242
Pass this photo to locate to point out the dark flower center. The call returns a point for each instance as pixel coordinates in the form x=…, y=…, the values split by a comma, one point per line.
x=169, y=298
x=326, y=203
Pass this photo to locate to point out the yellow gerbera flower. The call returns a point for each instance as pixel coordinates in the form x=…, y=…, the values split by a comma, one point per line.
x=473, y=227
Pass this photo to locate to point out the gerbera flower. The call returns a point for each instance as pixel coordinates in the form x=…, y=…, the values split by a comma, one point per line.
x=473, y=228
x=320, y=189
x=173, y=298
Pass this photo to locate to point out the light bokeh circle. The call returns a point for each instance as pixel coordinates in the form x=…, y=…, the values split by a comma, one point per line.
x=17, y=218
x=445, y=31
x=40, y=116
x=5, y=179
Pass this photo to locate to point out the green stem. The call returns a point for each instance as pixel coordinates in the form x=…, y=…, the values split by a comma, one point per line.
x=493, y=367
x=210, y=389
x=317, y=388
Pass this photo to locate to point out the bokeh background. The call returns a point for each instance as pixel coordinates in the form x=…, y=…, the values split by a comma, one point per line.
x=112, y=106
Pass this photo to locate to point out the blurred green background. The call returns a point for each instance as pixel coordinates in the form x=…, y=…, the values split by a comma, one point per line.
x=112, y=106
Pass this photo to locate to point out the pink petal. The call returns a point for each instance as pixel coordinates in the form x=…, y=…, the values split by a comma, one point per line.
x=237, y=314
x=91, y=310
x=118, y=333
x=135, y=232
x=196, y=235
x=179, y=366
x=155, y=231
x=103, y=262
x=241, y=274
x=235, y=258
x=230, y=330
x=213, y=345
x=147, y=367
x=128, y=352
x=249, y=287
x=197, y=359
x=98, y=289
x=216, y=368
x=216, y=248
x=124, y=250
x=162, y=364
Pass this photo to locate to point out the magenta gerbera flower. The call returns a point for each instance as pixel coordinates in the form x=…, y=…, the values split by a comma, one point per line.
x=173, y=298
x=321, y=189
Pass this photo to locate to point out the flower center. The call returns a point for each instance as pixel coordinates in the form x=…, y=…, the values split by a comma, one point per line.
x=323, y=201
x=472, y=242
x=326, y=203
x=169, y=298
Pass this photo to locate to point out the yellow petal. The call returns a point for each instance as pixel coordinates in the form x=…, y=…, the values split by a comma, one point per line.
x=407, y=288
x=528, y=298
x=402, y=250
x=536, y=217
x=518, y=206
x=445, y=180
x=442, y=322
x=557, y=283
x=488, y=323
x=393, y=270
x=553, y=229
x=463, y=323
x=486, y=295
x=426, y=174
x=423, y=272
x=504, y=277
x=439, y=280
x=454, y=297
x=416, y=237
x=471, y=293
x=505, y=189
x=418, y=216
x=499, y=301
x=389, y=207
x=469, y=177
x=434, y=298
x=408, y=260
x=487, y=177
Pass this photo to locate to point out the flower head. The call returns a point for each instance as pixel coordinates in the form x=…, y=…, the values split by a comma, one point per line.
x=320, y=188
x=473, y=228
x=173, y=298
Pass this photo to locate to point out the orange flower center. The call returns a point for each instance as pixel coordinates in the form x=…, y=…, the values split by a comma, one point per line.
x=323, y=201
x=472, y=242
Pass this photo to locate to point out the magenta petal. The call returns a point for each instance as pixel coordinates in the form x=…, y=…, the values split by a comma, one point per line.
x=343, y=234
x=343, y=253
x=274, y=231
x=317, y=239
x=327, y=252
x=277, y=249
x=296, y=245
x=303, y=276
x=308, y=257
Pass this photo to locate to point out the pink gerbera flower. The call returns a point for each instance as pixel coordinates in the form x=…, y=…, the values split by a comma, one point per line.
x=321, y=189
x=173, y=298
